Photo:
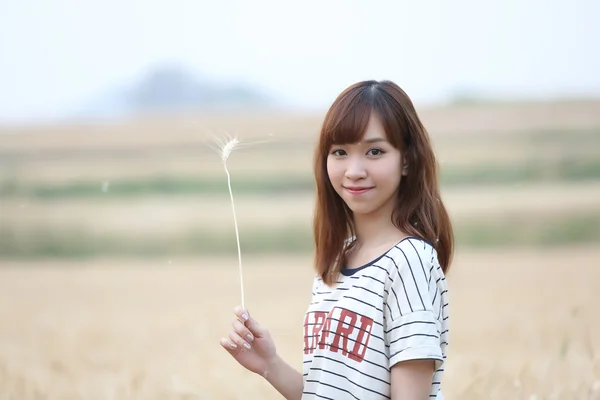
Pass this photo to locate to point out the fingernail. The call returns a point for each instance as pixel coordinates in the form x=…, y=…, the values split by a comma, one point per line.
x=245, y=317
x=250, y=337
x=246, y=345
x=233, y=346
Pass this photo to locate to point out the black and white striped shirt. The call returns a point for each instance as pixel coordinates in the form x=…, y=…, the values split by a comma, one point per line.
x=392, y=309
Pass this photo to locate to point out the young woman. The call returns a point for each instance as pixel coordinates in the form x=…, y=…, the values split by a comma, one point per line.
x=377, y=326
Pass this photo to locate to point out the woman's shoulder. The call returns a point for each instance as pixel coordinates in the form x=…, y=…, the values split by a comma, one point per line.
x=413, y=247
x=412, y=254
x=416, y=242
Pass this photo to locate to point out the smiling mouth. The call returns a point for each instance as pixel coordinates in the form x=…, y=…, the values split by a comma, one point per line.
x=352, y=190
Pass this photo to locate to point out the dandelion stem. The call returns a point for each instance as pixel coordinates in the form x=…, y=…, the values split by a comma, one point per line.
x=237, y=235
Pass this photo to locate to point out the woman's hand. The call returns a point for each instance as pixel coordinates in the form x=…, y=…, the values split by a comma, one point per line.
x=250, y=344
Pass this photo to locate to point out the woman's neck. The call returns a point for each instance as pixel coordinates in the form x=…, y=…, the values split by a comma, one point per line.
x=376, y=230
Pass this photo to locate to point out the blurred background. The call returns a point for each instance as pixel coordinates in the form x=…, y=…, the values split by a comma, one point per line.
x=118, y=254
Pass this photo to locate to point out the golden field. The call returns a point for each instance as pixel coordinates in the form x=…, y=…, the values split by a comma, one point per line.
x=126, y=329
x=135, y=325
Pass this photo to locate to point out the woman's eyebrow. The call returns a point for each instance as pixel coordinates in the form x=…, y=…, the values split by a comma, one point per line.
x=374, y=140
x=367, y=141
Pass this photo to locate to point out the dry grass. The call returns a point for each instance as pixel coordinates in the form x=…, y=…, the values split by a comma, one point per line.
x=179, y=146
x=524, y=326
x=170, y=215
x=264, y=160
x=153, y=132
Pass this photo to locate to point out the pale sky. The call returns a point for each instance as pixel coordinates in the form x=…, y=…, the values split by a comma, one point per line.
x=56, y=55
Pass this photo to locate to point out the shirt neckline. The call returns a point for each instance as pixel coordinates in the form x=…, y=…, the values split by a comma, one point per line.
x=351, y=271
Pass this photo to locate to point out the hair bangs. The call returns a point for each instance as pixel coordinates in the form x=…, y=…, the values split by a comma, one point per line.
x=350, y=119
x=389, y=110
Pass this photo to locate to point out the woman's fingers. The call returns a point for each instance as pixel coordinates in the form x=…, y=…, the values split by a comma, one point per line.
x=238, y=341
x=243, y=331
x=241, y=313
x=228, y=345
x=253, y=326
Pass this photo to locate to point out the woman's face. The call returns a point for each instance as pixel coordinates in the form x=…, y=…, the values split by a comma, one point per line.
x=367, y=174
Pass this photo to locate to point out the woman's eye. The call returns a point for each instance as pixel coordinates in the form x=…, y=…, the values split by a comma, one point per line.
x=375, y=152
x=338, y=152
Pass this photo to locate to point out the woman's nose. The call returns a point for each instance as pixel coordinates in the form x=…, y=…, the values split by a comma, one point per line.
x=355, y=169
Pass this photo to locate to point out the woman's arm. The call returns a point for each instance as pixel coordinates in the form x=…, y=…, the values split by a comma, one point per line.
x=285, y=379
x=411, y=380
x=253, y=347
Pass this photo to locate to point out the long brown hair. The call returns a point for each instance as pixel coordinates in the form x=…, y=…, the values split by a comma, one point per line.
x=419, y=210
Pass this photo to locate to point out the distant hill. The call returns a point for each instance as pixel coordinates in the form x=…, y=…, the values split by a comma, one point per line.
x=173, y=89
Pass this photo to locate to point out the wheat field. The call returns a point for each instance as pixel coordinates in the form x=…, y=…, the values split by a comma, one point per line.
x=120, y=323
x=126, y=329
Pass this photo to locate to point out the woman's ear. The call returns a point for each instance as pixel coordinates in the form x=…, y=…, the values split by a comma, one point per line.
x=405, y=169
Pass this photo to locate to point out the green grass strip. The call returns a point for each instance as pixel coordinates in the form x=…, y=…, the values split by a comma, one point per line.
x=567, y=170
x=516, y=231
x=158, y=185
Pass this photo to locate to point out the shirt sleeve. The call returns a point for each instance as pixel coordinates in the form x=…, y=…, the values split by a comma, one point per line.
x=412, y=329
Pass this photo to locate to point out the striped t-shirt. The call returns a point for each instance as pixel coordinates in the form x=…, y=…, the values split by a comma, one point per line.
x=393, y=309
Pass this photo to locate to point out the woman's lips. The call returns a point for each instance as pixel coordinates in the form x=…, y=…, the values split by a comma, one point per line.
x=357, y=190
